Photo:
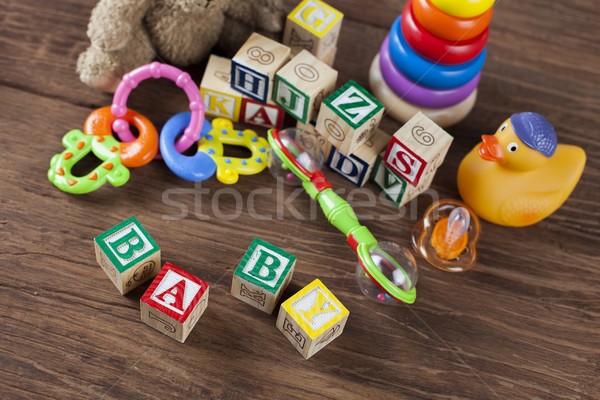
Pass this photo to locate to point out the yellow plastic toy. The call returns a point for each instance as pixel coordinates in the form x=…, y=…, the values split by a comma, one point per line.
x=519, y=176
x=463, y=8
x=229, y=168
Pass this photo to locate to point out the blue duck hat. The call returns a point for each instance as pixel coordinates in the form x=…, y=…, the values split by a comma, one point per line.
x=535, y=131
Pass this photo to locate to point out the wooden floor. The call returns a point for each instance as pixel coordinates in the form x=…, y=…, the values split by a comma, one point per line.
x=523, y=324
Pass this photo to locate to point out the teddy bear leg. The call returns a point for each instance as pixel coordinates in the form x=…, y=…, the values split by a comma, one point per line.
x=104, y=69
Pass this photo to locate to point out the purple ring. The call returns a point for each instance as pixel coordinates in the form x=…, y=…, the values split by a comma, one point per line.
x=417, y=94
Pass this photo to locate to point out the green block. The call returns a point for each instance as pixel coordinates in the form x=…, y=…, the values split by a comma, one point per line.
x=126, y=243
x=353, y=104
x=265, y=265
x=291, y=99
x=388, y=182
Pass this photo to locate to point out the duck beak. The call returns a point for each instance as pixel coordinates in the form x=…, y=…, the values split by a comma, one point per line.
x=490, y=149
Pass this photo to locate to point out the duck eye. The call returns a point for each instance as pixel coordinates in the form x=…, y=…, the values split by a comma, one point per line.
x=512, y=147
x=503, y=127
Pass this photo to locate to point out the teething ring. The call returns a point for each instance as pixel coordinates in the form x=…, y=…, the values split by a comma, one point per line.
x=135, y=153
x=156, y=70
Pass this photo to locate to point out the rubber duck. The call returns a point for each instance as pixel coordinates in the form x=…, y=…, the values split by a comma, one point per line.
x=519, y=176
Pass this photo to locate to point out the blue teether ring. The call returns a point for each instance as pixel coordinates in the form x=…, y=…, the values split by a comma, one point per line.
x=194, y=168
x=426, y=73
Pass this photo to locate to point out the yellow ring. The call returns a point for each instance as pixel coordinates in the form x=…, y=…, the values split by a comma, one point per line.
x=463, y=8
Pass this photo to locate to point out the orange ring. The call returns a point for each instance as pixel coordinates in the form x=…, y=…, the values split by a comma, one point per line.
x=133, y=154
x=446, y=26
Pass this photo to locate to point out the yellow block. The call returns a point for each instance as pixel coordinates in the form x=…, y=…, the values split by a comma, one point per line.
x=315, y=16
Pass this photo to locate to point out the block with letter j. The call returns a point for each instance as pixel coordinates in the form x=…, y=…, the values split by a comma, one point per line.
x=128, y=254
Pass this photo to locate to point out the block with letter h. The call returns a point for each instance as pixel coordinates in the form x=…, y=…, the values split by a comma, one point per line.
x=349, y=117
x=302, y=85
x=314, y=26
x=174, y=302
x=417, y=149
x=127, y=254
x=357, y=167
x=312, y=318
x=262, y=276
x=254, y=66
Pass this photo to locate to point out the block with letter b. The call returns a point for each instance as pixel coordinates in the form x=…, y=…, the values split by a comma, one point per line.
x=302, y=85
x=417, y=149
x=262, y=275
x=349, y=117
x=174, y=302
x=312, y=318
x=128, y=254
x=254, y=66
x=315, y=26
x=219, y=98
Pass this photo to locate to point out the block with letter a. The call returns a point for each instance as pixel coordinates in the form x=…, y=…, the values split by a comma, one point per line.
x=219, y=98
x=314, y=26
x=349, y=117
x=417, y=149
x=262, y=276
x=254, y=66
x=312, y=318
x=128, y=254
x=174, y=302
x=268, y=115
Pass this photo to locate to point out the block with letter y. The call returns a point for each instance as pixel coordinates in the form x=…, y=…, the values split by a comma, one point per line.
x=312, y=318
x=174, y=302
x=128, y=254
x=262, y=275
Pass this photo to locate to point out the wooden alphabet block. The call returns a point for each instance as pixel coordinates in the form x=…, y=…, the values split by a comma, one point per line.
x=219, y=98
x=417, y=149
x=174, y=302
x=267, y=116
x=314, y=26
x=128, y=254
x=349, y=117
x=323, y=143
x=312, y=318
x=254, y=66
x=262, y=275
x=395, y=188
x=302, y=85
x=357, y=167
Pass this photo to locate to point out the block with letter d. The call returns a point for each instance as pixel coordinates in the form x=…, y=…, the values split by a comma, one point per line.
x=254, y=66
x=417, y=149
x=349, y=117
x=174, y=302
x=128, y=254
x=312, y=318
x=262, y=275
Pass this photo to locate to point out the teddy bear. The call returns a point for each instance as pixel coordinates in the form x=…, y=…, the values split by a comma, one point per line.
x=126, y=34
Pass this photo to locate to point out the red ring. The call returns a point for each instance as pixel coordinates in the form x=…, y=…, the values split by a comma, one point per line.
x=449, y=27
x=439, y=50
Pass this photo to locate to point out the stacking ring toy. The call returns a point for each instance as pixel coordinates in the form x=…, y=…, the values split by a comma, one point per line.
x=133, y=154
x=416, y=94
x=195, y=168
x=229, y=168
x=463, y=8
x=156, y=70
x=425, y=72
x=439, y=50
x=446, y=26
x=402, y=110
x=77, y=146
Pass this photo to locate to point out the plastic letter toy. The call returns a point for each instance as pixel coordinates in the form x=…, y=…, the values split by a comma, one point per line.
x=77, y=145
x=229, y=168
x=520, y=175
x=386, y=273
x=133, y=154
x=446, y=236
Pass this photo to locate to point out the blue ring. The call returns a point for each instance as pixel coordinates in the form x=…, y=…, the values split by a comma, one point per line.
x=426, y=73
x=195, y=168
